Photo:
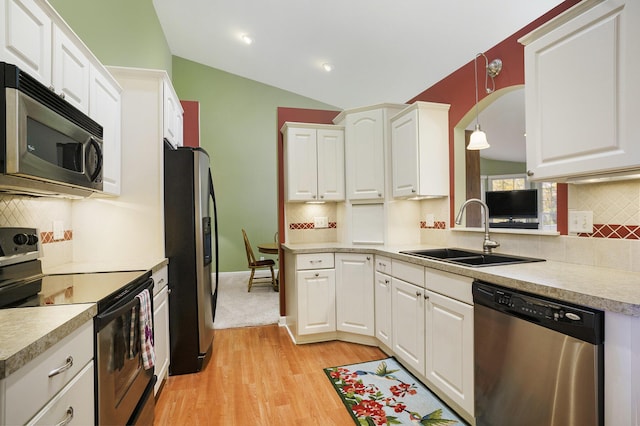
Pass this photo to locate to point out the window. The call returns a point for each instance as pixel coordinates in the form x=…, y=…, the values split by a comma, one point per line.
x=547, y=195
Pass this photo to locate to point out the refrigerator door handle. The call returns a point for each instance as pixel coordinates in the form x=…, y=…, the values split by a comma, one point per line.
x=214, y=296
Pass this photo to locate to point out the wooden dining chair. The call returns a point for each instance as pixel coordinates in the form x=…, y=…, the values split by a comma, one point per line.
x=258, y=264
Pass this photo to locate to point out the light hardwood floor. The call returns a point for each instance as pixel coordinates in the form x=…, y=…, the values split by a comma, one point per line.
x=257, y=376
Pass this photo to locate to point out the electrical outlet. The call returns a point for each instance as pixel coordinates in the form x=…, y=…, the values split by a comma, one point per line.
x=580, y=221
x=320, y=222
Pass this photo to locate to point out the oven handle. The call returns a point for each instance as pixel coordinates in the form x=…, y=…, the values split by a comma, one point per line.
x=124, y=306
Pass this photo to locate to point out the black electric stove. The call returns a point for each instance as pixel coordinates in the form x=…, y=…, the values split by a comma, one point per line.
x=22, y=282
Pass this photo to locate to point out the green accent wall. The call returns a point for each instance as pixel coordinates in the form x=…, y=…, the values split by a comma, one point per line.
x=119, y=32
x=238, y=128
x=238, y=117
x=497, y=167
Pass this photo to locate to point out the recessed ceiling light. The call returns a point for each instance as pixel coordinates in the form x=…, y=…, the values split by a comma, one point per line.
x=246, y=38
x=327, y=67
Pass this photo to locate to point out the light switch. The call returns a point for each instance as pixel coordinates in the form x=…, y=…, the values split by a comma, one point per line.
x=580, y=221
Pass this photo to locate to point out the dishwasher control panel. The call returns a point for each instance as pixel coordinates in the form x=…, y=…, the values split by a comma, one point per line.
x=577, y=321
x=536, y=307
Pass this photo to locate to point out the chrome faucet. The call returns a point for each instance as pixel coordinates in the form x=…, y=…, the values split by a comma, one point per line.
x=488, y=243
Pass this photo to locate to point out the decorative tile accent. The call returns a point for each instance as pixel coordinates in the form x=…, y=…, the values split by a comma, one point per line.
x=309, y=225
x=47, y=237
x=623, y=232
x=437, y=225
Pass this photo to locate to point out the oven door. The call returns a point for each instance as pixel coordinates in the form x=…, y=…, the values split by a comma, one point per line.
x=121, y=379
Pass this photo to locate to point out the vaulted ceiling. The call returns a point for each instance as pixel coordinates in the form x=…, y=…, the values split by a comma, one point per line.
x=380, y=50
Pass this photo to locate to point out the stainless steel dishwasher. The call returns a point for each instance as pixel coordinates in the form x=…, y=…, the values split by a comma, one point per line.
x=538, y=361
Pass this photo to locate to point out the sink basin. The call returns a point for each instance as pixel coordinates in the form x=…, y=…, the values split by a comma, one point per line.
x=470, y=257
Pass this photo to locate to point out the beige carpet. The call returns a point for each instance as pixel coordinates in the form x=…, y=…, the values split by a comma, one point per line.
x=239, y=308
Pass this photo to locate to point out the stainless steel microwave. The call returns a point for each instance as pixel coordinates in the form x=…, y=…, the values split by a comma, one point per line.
x=48, y=147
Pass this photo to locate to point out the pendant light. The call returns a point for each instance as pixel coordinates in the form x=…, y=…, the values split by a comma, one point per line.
x=478, y=139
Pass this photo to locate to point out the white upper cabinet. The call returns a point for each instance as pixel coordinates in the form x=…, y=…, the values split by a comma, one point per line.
x=420, y=151
x=173, y=121
x=70, y=70
x=25, y=38
x=105, y=107
x=583, y=93
x=367, y=148
x=314, y=156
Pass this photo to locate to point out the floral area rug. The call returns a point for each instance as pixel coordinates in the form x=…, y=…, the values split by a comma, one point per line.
x=384, y=393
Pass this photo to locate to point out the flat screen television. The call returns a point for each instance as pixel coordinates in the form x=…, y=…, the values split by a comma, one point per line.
x=516, y=204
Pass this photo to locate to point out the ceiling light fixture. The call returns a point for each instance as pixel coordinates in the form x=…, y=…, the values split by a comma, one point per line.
x=246, y=38
x=327, y=67
x=478, y=139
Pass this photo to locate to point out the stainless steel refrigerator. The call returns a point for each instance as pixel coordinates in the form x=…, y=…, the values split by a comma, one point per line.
x=191, y=246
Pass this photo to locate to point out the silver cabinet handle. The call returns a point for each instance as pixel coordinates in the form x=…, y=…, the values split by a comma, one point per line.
x=529, y=173
x=418, y=294
x=62, y=369
x=316, y=274
x=368, y=257
x=379, y=194
x=322, y=196
x=426, y=296
x=160, y=281
x=386, y=281
x=67, y=418
x=316, y=261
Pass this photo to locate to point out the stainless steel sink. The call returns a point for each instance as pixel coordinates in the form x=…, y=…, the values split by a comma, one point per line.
x=470, y=257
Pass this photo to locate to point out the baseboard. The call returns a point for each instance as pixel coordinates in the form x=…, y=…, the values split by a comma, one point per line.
x=282, y=322
x=245, y=273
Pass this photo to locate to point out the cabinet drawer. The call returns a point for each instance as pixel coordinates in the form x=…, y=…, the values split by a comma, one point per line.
x=29, y=388
x=383, y=264
x=408, y=272
x=75, y=402
x=451, y=285
x=314, y=261
x=160, y=279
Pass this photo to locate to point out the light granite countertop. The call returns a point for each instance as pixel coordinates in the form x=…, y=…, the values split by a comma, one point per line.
x=25, y=333
x=601, y=288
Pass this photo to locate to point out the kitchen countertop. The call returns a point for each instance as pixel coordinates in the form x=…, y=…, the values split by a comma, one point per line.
x=601, y=288
x=28, y=332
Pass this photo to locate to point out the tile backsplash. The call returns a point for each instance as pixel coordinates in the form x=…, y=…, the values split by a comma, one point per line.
x=39, y=213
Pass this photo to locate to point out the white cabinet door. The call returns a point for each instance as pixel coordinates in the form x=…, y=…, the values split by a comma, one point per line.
x=316, y=301
x=354, y=290
x=70, y=72
x=404, y=154
x=420, y=151
x=364, y=153
x=581, y=113
x=330, y=155
x=302, y=164
x=383, y=311
x=25, y=38
x=173, y=123
x=105, y=108
x=408, y=323
x=449, y=348
x=161, y=335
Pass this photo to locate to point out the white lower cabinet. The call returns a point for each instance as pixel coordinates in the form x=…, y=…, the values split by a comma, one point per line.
x=161, y=325
x=449, y=348
x=382, y=296
x=355, y=293
x=316, y=297
x=34, y=395
x=449, y=337
x=408, y=323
